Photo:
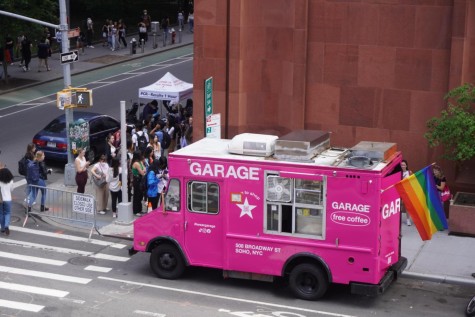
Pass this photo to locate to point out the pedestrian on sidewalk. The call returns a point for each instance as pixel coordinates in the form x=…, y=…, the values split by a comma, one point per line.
x=89, y=32
x=181, y=19
x=35, y=181
x=99, y=175
x=164, y=25
x=153, y=180
x=43, y=49
x=143, y=37
x=146, y=19
x=114, y=178
x=121, y=27
x=138, y=172
x=26, y=53
x=441, y=184
x=23, y=166
x=9, y=49
x=6, y=188
x=105, y=32
x=406, y=172
x=191, y=21
x=81, y=170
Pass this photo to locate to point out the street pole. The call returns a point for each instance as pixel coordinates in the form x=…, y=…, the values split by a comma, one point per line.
x=125, y=207
x=69, y=169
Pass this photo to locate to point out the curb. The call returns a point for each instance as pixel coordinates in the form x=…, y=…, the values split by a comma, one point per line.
x=440, y=278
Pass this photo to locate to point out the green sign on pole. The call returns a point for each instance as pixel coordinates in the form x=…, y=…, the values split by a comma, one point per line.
x=208, y=97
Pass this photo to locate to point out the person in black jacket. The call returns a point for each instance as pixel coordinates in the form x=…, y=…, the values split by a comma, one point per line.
x=37, y=175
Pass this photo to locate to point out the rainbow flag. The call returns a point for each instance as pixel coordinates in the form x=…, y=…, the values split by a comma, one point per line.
x=422, y=202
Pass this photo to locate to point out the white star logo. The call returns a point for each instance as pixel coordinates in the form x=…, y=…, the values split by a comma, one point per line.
x=246, y=209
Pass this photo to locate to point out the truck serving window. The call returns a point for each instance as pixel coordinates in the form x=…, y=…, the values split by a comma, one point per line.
x=294, y=206
x=203, y=197
x=172, y=197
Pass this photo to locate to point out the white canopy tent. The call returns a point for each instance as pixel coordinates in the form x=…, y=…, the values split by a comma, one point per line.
x=167, y=88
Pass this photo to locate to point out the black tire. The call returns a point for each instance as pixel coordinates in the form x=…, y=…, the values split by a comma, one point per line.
x=308, y=281
x=470, y=310
x=166, y=262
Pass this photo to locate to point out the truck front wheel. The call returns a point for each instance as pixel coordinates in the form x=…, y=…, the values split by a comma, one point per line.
x=166, y=262
x=308, y=282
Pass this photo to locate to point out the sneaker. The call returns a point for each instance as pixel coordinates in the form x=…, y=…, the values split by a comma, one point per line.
x=24, y=68
x=139, y=214
x=7, y=231
x=102, y=212
x=43, y=208
x=408, y=222
x=91, y=46
x=114, y=215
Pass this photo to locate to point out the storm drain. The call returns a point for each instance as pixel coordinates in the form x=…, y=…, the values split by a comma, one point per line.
x=82, y=261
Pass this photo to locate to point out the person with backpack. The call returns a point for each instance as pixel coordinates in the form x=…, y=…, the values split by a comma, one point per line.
x=152, y=184
x=35, y=181
x=23, y=164
x=140, y=139
x=6, y=188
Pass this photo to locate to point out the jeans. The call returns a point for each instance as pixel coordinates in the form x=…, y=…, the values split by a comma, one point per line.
x=5, y=210
x=34, y=193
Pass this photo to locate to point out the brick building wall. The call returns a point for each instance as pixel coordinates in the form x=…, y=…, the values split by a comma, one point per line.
x=363, y=69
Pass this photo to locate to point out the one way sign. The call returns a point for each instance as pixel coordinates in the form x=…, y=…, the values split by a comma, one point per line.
x=69, y=57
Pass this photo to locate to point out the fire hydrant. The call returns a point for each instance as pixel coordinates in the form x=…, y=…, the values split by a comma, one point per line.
x=172, y=31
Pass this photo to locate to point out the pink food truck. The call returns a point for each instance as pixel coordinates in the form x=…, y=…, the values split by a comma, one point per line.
x=261, y=207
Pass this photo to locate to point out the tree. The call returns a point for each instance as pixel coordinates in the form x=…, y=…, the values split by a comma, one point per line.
x=455, y=128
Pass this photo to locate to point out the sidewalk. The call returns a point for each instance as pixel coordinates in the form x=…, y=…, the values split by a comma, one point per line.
x=90, y=59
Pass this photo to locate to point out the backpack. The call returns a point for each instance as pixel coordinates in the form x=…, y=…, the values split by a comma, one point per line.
x=166, y=140
x=23, y=166
x=141, y=142
x=33, y=174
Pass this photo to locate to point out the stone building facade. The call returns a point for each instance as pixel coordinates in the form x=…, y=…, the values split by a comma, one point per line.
x=372, y=70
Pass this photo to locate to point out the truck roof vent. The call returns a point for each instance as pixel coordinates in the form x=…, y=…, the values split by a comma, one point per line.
x=302, y=145
x=253, y=144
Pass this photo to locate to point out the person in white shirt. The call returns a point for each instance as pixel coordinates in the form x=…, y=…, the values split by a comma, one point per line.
x=6, y=188
x=114, y=179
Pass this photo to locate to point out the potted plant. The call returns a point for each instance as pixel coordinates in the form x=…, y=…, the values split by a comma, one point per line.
x=454, y=129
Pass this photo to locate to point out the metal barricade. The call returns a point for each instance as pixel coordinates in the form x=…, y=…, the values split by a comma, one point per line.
x=62, y=205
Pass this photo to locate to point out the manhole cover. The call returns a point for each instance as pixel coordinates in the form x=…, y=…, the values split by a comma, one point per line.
x=15, y=219
x=82, y=260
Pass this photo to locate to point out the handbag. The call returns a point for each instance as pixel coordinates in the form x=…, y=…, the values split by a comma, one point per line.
x=99, y=181
x=445, y=195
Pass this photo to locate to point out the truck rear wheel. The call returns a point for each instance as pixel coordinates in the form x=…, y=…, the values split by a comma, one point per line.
x=166, y=262
x=308, y=282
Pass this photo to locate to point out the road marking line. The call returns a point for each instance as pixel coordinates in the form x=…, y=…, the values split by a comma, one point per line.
x=148, y=313
x=64, y=250
x=69, y=237
x=242, y=300
x=98, y=269
x=51, y=276
x=21, y=306
x=33, y=289
x=31, y=258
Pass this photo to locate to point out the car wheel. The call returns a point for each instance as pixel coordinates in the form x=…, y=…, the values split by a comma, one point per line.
x=470, y=310
x=166, y=262
x=307, y=281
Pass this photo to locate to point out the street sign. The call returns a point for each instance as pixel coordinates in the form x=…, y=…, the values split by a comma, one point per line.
x=208, y=97
x=213, y=126
x=69, y=57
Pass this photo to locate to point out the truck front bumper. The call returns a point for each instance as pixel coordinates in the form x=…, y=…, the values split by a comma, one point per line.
x=376, y=289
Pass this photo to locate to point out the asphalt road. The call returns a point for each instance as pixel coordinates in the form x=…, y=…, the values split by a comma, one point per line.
x=117, y=285
x=49, y=272
x=25, y=112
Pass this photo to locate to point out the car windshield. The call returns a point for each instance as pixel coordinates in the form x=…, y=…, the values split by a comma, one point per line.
x=55, y=126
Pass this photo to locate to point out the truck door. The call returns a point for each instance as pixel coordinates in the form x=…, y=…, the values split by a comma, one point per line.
x=204, y=223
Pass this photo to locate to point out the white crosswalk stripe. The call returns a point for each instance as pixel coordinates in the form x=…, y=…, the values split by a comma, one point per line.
x=33, y=259
x=64, y=250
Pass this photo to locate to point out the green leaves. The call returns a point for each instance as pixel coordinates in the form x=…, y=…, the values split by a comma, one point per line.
x=455, y=128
